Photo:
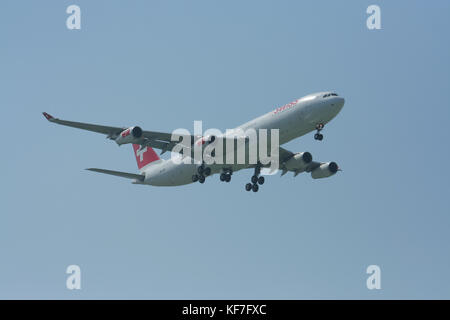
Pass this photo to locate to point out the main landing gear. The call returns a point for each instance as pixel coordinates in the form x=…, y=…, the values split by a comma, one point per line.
x=226, y=175
x=255, y=180
x=318, y=135
x=203, y=172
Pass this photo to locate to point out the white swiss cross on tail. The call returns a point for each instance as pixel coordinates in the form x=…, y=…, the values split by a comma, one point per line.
x=144, y=156
x=140, y=153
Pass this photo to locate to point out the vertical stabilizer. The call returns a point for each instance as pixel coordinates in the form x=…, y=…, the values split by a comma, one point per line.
x=145, y=156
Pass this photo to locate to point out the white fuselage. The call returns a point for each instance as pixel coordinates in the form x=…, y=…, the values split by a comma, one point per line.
x=292, y=120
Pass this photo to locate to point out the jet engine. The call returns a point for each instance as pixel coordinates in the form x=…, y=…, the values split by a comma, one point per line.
x=325, y=170
x=130, y=135
x=206, y=140
x=299, y=161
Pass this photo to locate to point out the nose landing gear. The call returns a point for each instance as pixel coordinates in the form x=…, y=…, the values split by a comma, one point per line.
x=318, y=135
x=255, y=180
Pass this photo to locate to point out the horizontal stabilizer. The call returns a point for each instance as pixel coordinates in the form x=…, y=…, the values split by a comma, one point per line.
x=139, y=177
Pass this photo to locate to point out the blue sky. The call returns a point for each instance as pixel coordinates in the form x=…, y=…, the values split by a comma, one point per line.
x=164, y=64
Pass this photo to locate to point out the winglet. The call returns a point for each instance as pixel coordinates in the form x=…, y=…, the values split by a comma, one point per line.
x=47, y=116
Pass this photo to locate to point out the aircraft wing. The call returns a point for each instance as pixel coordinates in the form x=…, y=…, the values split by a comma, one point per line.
x=85, y=126
x=285, y=155
x=154, y=139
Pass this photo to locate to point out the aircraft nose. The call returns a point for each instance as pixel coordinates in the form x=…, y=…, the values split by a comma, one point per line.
x=336, y=104
x=340, y=102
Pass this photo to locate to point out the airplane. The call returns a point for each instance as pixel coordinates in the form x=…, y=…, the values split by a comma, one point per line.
x=295, y=119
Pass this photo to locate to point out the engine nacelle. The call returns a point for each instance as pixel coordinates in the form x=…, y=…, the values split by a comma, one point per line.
x=204, y=141
x=130, y=135
x=298, y=162
x=325, y=170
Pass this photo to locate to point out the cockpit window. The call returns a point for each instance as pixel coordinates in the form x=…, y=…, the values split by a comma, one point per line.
x=330, y=94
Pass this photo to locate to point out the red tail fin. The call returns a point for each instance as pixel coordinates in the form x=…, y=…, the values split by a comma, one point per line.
x=145, y=156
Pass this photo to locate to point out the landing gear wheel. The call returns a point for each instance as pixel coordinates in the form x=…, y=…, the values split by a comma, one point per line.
x=318, y=135
x=200, y=170
x=206, y=172
x=228, y=177
x=201, y=179
x=223, y=177
x=194, y=178
x=255, y=179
